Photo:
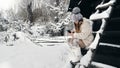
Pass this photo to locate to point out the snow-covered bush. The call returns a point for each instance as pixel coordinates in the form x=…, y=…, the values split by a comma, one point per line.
x=4, y=24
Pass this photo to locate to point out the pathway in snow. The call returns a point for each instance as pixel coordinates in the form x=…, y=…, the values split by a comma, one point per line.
x=25, y=54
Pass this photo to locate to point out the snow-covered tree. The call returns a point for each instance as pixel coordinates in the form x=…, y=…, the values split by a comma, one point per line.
x=44, y=10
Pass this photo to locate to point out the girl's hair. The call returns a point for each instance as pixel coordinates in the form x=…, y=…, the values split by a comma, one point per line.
x=77, y=26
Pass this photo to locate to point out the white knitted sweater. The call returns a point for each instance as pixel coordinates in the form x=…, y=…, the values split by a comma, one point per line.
x=86, y=32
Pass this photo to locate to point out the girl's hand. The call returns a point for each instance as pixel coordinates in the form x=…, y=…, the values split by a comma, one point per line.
x=73, y=31
x=72, y=34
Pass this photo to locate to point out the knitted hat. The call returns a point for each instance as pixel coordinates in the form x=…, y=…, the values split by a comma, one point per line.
x=76, y=15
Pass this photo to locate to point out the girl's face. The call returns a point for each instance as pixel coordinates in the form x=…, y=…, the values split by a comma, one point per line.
x=78, y=22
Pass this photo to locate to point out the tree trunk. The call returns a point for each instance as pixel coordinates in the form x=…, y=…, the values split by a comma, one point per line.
x=30, y=13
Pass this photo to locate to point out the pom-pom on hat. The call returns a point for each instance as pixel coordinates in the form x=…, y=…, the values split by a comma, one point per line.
x=76, y=10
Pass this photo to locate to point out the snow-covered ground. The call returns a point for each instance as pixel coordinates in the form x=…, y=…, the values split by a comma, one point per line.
x=25, y=54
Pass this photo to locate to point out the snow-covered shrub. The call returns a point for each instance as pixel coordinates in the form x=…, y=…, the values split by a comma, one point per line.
x=4, y=24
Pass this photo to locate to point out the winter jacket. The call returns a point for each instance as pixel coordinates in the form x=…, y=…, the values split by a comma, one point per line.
x=86, y=32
